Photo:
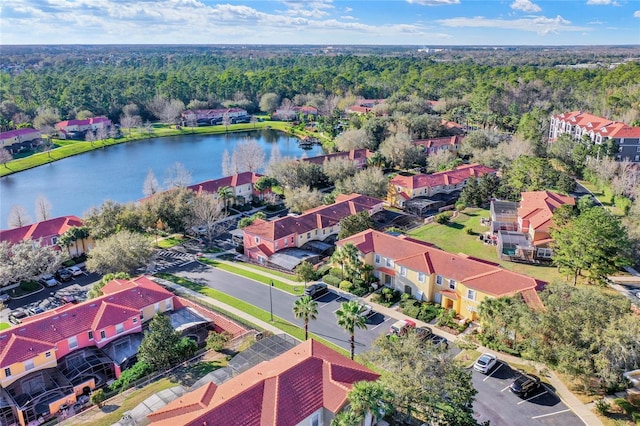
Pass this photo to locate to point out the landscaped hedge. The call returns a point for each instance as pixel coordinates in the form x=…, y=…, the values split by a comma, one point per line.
x=424, y=311
x=331, y=280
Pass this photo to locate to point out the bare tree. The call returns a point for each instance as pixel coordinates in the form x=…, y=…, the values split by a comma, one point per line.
x=515, y=148
x=101, y=133
x=338, y=169
x=171, y=112
x=250, y=155
x=131, y=109
x=177, y=176
x=90, y=137
x=400, y=150
x=627, y=179
x=439, y=161
x=226, y=120
x=286, y=109
x=19, y=216
x=43, y=208
x=5, y=157
x=227, y=167
x=303, y=198
x=197, y=104
x=606, y=168
x=130, y=121
x=151, y=185
x=208, y=213
x=157, y=105
x=352, y=139
x=148, y=127
x=112, y=132
x=46, y=117
x=329, y=105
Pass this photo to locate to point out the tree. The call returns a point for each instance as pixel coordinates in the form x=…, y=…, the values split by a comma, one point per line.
x=355, y=223
x=130, y=121
x=19, y=217
x=46, y=117
x=96, y=289
x=346, y=418
x=98, y=397
x=619, y=349
x=178, y=176
x=301, y=199
x=27, y=259
x=226, y=193
x=305, y=308
x=5, y=158
x=351, y=139
x=157, y=105
x=305, y=272
x=171, y=111
x=43, y=208
x=595, y=242
x=441, y=160
x=399, y=150
x=370, y=181
x=102, y=133
x=370, y=400
x=530, y=174
x=226, y=120
x=246, y=221
x=121, y=252
x=151, y=185
x=377, y=131
x=291, y=173
x=269, y=102
x=349, y=317
x=345, y=255
x=217, y=341
x=208, y=212
x=105, y=219
x=338, y=168
x=159, y=343
x=263, y=183
x=248, y=156
x=170, y=210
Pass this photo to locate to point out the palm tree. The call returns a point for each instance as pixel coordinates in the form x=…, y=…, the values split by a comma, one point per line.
x=80, y=233
x=346, y=418
x=370, y=400
x=346, y=256
x=225, y=193
x=349, y=318
x=307, y=309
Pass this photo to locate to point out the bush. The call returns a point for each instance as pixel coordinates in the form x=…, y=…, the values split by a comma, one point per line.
x=602, y=406
x=346, y=286
x=217, y=341
x=625, y=405
x=98, y=397
x=411, y=309
x=468, y=230
x=331, y=280
x=323, y=270
x=429, y=311
x=460, y=205
x=443, y=218
x=29, y=285
x=387, y=296
x=623, y=203
x=129, y=376
x=336, y=272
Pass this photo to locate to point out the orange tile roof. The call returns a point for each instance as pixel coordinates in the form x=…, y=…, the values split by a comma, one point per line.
x=537, y=207
x=599, y=125
x=435, y=143
x=45, y=229
x=283, y=391
x=355, y=154
x=449, y=177
x=212, y=186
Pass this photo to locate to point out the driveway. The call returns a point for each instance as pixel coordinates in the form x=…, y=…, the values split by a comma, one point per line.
x=495, y=402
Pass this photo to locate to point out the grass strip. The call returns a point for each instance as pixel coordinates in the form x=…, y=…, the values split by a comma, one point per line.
x=249, y=309
x=170, y=242
x=295, y=290
x=280, y=274
x=4, y=325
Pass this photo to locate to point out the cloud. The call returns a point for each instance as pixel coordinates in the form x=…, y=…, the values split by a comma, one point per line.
x=434, y=2
x=538, y=24
x=602, y=2
x=525, y=6
x=636, y=14
x=348, y=9
x=310, y=9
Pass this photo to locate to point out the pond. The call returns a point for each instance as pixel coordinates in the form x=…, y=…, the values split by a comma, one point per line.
x=75, y=184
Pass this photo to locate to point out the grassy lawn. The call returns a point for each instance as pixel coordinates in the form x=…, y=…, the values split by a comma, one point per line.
x=256, y=276
x=249, y=309
x=4, y=325
x=280, y=274
x=171, y=241
x=454, y=239
x=604, y=195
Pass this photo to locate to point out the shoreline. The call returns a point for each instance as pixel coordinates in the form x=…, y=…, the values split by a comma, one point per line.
x=72, y=148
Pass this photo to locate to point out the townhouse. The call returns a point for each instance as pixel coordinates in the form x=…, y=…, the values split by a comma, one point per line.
x=294, y=112
x=455, y=281
x=357, y=156
x=241, y=185
x=212, y=116
x=405, y=188
x=435, y=145
x=306, y=385
x=579, y=124
x=51, y=359
x=363, y=106
x=523, y=230
x=48, y=232
x=70, y=129
x=264, y=238
x=16, y=140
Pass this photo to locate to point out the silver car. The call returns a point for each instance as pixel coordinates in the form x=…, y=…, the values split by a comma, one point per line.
x=485, y=363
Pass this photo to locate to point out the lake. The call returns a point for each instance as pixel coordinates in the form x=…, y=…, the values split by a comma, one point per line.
x=75, y=184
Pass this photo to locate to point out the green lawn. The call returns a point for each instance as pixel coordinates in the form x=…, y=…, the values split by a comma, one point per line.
x=171, y=241
x=604, y=194
x=291, y=277
x=249, y=309
x=4, y=325
x=454, y=239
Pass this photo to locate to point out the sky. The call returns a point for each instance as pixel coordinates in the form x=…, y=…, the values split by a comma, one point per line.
x=321, y=22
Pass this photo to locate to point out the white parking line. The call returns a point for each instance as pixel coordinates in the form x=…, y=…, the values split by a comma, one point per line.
x=492, y=373
x=380, y=324
x=505, y=388
x=550, y=414
x=529, y=399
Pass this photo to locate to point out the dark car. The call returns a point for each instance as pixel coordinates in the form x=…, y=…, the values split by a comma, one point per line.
x=424, y=333
x=439, y=340
x=525, y=384
x=16, y=316
x=48, y=280
x=63, y=274
x=316, y=290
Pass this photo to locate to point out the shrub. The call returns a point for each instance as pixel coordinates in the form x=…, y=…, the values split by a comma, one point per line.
x=625, y=405
x=443, y=218
x=346, y=286
x=336, y=272
x=411, y=309
x=468, y=230
x=98, y=397
x=323, y=270
x=602, y=406
x=129, y=376
x=217, y=341
x=623, y=203
x=429, y=311
x=361, y=290
x=460, y=205
x=29, y=285
x=331, y=280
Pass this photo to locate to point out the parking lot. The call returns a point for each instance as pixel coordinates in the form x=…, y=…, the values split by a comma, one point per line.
x=495, y=402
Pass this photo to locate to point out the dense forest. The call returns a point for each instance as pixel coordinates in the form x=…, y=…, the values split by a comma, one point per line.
x=474, y=83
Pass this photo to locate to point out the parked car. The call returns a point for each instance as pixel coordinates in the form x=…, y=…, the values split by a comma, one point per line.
x=35, y=310
x=366, y=310
x=525, y=384
x=424, y=333
x=48, y=280
x=4, y=297
x=316, y=290
x=16, y=316
x=401, y=327
x=67, y=298
x=63, y=274
x=485, y=363
x=75, y=270
x=439, y=340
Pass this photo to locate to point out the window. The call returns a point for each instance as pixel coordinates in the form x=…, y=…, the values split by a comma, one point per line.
x=377, y=258
x=308, y=234
x=156, y=307
x=91, y=335
x=292, y=240
x=389, y=263
x=452, y=284
x=439, y=279
x=324, y=231
x=135, y=320
x=7, y=372
x=257, y=240
x=141, y=315
x=169, y=304
x=28, y=365
x=54, y=240
x=73, y=342
x=315, y=420
x=103, y=335
x=403, y=271
x=277, y=246
x=119, y=328
x=471, y=295
x=421, y=277
x=47, y=354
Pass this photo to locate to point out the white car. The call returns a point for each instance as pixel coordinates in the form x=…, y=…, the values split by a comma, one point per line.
x=485, y=363
x=366, y=310
x=75, y=270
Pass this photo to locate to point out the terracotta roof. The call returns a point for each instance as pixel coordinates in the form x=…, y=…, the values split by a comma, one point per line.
x=435, y=143
x=537, y=207
x=330, y=215
x=212, y=186
x=355, y=154
x=449, y=177
x=18, y=132
x=599, y=125
x=478, y=274
x=86, y=122
x=45, y=229
x=450, y=294
x=283, y=391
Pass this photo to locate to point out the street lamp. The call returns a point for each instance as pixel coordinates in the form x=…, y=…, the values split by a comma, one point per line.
x=271, y=300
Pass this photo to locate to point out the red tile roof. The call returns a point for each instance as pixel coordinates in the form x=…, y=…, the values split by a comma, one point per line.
x=423, y=257
x=45, y=229
x=312, y=219
x=359, y=155
x=89, y=121
x=449, y=177
x=599, y=125
x=435, y=143
x=283, y=391
x=212, y=186
x=537, y=207
x=18, y=132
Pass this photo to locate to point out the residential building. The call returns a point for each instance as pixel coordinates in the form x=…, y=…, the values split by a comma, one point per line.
x=212, y=116
x=241, y=184
x=404, y=188
x=70, y=129
x=306, y=385
x=16, y=140
x=363, y=106
x=358, y=156
x=52, y=358
x=48, y=232
x=435, y=145
x=523, y=229
x=455, y=281
x=579, y=124
x=294, y=112
x=263, y=238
